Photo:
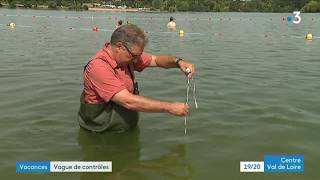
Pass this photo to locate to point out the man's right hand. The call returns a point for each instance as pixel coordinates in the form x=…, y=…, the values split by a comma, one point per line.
x=179, y=109
x=140, y=103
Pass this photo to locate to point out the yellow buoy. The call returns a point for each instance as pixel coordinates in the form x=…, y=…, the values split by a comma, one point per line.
x=309, y=36
x=12, y=25
x=181, y=33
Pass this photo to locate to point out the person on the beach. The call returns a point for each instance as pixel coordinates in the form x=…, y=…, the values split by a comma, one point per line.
x=171, y=24
x=119, y=23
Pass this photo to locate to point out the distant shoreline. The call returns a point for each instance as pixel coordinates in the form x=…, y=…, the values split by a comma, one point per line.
x=126, y=10
x=115, y=10
x=44, y=7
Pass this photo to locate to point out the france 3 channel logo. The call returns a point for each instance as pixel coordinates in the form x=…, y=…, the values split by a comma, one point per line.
x=63, y=166
x=275, y=163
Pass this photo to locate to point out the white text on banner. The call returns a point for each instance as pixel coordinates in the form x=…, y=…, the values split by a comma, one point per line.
x=251, y=166
x=80, y=166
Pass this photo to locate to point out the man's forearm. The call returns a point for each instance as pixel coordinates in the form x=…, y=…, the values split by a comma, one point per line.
x=140, y=103
x=166, y=61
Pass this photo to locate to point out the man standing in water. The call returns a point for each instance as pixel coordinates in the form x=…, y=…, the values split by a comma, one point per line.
x=110, y=100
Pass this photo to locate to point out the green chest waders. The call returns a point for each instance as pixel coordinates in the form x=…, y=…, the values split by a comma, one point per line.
x=106, y=116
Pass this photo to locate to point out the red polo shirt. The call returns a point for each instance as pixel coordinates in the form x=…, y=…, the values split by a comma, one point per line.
x=103, y=78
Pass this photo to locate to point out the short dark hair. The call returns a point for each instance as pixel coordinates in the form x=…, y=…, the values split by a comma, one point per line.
x=171, y=18
x=129, y=34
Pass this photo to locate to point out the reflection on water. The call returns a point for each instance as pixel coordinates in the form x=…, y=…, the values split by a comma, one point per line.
x=124, y=152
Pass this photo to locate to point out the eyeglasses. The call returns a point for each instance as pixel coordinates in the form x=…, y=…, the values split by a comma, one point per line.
x=134, y=56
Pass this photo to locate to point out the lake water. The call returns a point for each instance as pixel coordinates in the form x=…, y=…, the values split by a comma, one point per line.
x=257, y=80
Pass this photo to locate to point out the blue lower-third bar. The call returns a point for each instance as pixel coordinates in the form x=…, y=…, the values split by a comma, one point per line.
x=283, y=163
x=32, y=166
x=63, y=166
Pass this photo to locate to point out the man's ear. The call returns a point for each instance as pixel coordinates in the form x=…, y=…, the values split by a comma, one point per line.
x=118, y=44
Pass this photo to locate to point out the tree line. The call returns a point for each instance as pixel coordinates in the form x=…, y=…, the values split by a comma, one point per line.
x=182, y=5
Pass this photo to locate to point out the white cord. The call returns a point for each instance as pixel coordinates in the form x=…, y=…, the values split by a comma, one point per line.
x=187, y=101
x=194, y=93
x=187, y=98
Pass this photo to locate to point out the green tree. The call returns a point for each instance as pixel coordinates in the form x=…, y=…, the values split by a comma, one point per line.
x=12, y=4
x=183, y=6
x=52, y=5
x=59, y=2
x=312, y=6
